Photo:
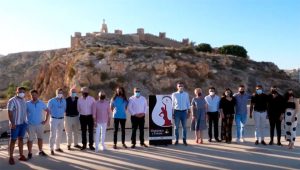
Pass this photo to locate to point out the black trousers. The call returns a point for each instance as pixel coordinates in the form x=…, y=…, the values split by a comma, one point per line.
x=118, y=121
x=87, y=123
x=275, y=122
x=137, y=122
x=213, y=118
x=226, y=131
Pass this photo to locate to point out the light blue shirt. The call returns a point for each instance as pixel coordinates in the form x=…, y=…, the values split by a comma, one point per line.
x=35, y=112
x=241, y=103
x=57, y=107
x=120, y=106
x=212, y=103
x=180, y=101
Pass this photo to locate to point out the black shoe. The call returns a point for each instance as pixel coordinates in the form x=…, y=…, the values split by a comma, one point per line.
x=42, y=153
x=279, y=144
x=52, y=152
x=176, y=142
x=83, y=148
x=209, y=140
x=125, y=146
x=92, y=148
x=271, y=142
x=184, y=142
x=218, y=140
x=29, y=155
x=256, y=142
x=77, y=146
x=263, y=142
x=133, y=146
x=59, y=150
x=115, y=146
x=143, y=144
x=69, y=147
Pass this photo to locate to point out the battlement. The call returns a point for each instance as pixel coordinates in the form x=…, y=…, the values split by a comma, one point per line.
x=140, y=38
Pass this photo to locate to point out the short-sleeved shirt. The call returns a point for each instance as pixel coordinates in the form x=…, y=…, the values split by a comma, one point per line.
x=212, y=103
x=35, y=112
x=57, y=107
x=17, y=106
x=241, y=103
x=227, y=106
x=260, y=102
x=119, y=105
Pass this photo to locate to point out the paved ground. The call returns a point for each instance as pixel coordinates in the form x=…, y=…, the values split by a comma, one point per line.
x=195, y=156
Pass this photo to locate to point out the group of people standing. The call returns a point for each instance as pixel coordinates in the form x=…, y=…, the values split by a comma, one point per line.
x=69, y=113
x=233, y=106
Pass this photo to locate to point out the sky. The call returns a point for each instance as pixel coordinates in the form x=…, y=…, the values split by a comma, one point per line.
x=268, y=29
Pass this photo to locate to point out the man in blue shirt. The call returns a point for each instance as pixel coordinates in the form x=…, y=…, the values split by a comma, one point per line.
x=241, y=112
x=181, y=105
x=57, y=107
x=36, y=122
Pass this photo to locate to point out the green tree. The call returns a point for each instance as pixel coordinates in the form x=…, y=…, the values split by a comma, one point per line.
x=27, y=84
x=204, y=47
x=11, y=90
x=233, y=50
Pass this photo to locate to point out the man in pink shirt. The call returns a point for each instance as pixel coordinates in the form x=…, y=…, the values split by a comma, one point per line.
x=84, y=106
x=101, y=115
x=137, y=108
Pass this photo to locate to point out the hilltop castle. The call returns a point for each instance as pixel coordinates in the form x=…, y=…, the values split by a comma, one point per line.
x=104, y=38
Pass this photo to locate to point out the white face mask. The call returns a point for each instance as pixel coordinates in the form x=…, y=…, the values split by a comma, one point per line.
x=60, y=95
x=22, y=95
x=211, y=93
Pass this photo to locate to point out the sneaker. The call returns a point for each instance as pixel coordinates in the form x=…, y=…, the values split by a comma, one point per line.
x=22, y=158
x=133, y=146
x=59, y=150
x=103, y=148
x=143, y=144
x=176, y=142
x=42, y=153
x=125, y=146
x=256, y=142
x=243, y=140
x=52, y=152
x=11, y=161
x=238, y=140
x=29, y=156
x=77, y=146
x=263, y=142
x=92, y=148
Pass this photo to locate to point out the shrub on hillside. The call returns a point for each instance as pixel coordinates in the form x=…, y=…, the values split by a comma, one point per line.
x=203, y=47
x=234, y=50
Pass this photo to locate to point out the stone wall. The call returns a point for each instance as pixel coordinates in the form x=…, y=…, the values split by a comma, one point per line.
x=162, y=41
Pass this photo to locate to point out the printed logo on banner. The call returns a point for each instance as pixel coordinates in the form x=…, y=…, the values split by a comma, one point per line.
x=162, y=112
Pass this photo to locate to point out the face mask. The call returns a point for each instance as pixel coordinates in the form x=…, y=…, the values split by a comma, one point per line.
x=137, y=94
x=85, y=94
x=74, y=94
x=60, y=95
x=22, y=95
x=259, y=91
x=242, y=92
x=211, y=93
x=102, y=97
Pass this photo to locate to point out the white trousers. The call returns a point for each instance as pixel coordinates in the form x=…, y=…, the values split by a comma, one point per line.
x=260, y=119
x=72, y=127
x=101, y=128
x=56, y=131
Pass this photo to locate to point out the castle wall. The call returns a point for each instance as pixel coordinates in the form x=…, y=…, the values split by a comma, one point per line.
x=162, y=41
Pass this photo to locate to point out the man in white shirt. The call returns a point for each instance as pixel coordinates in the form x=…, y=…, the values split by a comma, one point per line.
x=180, y=104
x=213, y=101
x=137, y=108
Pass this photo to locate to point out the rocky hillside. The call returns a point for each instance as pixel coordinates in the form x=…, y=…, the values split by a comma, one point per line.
x=155, y=69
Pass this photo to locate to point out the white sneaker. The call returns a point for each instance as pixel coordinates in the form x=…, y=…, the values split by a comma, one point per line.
x=243, y=140
x=238, y=140
x=103, y=148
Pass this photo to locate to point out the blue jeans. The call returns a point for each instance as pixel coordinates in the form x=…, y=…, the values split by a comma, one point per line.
x=180, y=116
x=240, y=121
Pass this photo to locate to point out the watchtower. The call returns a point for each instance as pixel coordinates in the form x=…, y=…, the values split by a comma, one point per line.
x=104, y=27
